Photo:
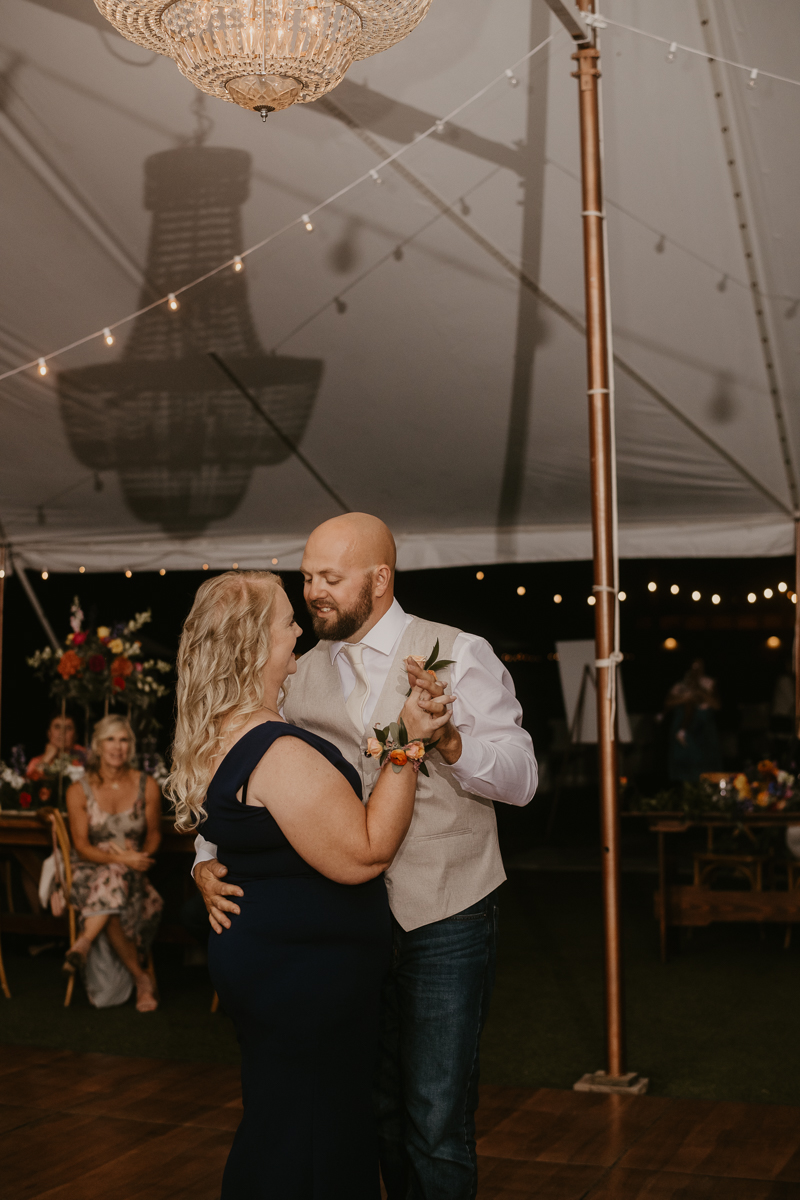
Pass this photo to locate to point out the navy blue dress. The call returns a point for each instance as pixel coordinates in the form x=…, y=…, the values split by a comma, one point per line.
x=300, y=972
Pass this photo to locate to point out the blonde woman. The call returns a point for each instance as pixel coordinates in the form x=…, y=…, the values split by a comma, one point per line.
x=301, y=967
x=115, y=821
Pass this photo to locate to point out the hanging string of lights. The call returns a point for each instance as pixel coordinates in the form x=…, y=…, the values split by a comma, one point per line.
x=305, y=219
x=601, y=21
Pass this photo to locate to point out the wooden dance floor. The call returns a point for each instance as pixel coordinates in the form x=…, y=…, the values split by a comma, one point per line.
x=97, y=1127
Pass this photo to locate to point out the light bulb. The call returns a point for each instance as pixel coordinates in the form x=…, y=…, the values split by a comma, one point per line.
x=82, y=570
x=128, y=574
x=751, y=597
x=511, y=77
x=623, y=595
x=695, y=595
x=45, y=574
x=162, y=571
x=715, y=599
x=439, y=127
x=479, y=575
x=108, y=336
x=172, y=302
x=768, y=593
x=205, y=566
x=673, y=46
x=781, y=587
x=238, y=265
x=42, y=368
x=2, y=573
x=651, y=587
x=236, y=566
x=674, y=589
x=753, y=77
x=274, y=562
x=773, y=642
x=592, y=600
x=557, y=598
x=670, y=644
x=794, y=597
x=520, y=591
x=306, y=219
x=375, y=177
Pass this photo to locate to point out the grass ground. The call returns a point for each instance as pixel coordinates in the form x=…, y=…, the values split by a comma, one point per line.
x=717, y=1022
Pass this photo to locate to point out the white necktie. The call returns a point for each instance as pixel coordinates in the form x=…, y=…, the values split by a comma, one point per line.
x=358, y=697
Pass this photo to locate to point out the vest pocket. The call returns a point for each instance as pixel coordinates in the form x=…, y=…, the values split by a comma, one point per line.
x=430, y=837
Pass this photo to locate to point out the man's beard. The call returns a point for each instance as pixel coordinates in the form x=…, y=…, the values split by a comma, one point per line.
x=342, y=625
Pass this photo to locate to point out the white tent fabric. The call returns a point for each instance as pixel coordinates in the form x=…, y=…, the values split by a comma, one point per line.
x=423, y=378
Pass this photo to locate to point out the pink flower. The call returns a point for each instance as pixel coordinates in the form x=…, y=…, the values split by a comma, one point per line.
x=374, y=748
x=78, y=639
x=415, y=750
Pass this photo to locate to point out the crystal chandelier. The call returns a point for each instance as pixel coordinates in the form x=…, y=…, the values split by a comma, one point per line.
x=264, y=54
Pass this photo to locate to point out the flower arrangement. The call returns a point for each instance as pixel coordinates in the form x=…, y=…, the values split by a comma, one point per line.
x=392, y=744
x=102, y=666
x=764, y=788
x=23, y=788
x=432, y=663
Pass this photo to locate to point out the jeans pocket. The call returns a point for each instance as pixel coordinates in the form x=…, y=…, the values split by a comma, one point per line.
x=475, y=912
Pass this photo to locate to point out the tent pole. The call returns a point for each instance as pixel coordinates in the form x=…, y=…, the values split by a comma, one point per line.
x=2, y=606
x=797, y=626
x=601, y=444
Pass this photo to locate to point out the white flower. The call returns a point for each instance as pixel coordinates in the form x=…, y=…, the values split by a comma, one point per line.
x=75, y=772
x=14, y=780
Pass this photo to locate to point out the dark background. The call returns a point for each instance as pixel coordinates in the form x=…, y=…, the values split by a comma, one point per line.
x=731, y=637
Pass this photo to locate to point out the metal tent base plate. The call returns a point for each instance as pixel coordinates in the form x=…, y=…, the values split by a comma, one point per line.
x=620, y=1085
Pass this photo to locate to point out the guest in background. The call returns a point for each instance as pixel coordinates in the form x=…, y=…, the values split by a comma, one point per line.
x=694, y=745
x=60, y=743
x=115, y=820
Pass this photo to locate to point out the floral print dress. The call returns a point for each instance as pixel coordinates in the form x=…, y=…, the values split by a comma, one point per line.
x=112, y=888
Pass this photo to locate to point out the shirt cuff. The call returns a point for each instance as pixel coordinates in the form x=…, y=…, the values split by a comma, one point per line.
x=469, y=762
x=204, y=852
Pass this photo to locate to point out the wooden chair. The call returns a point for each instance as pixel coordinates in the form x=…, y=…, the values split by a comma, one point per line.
x=59, y=827
x=747, y=866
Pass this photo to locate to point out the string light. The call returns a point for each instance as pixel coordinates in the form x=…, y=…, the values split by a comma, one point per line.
x=591, y=600
x=205, y=566
x=236, y=566
x=623, y=595
x=162, y=571
x=238, y=265
x=674, y=589
x=42, y=367
x=128, y=574
x=753, y=77
x=695, y=595
x=715, y=599
x=751, y=597
x=82, y=570
x=673, y=46
x=773, y=642
x=670, y=644
x=108, y=336
x=274, y=562
x=782, y=587
x=45, y=574
x=520, y=591
x=439, y=127
x=2, y=573
x=375, y=177
x=390, y=158
x=651, y=587
x=768, y=593
x=557, y=599
x=479, y=575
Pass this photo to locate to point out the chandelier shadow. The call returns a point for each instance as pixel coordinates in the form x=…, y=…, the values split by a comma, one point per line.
x=265, y=55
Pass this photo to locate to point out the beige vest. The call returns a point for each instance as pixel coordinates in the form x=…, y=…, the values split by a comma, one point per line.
x=450, y=857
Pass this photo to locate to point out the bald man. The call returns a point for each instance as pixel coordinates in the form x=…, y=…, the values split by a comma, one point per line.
x=443, y=879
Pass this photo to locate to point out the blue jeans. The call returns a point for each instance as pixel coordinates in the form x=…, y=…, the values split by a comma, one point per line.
x=434, y=1007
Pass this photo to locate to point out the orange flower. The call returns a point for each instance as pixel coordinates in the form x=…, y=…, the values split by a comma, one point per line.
x=374, y=748
x=742, y=785
x=399, y=758
x=415, y=750
x=121, y=666
x=766, y=767
x=69, y=665
x=763, y=799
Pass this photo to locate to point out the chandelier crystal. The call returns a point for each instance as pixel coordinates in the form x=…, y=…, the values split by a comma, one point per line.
x=264, y=54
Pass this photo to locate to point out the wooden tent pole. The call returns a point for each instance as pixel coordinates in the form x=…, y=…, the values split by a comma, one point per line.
x=601, y=444
x=2, y=606
x=797, y=627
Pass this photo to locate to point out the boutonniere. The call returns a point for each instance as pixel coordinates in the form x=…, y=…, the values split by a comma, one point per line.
x=392, y=743
x=432, y=663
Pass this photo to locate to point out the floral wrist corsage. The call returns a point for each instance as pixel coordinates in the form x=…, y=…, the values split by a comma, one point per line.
x=391, y=744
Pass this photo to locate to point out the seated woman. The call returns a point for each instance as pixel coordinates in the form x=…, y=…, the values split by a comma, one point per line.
x=115, y=820
x=60, y=743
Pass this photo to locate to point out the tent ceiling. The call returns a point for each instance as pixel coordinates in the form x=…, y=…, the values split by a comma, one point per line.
x=423, y=378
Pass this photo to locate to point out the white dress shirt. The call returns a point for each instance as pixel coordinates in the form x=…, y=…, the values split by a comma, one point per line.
x=497, y=759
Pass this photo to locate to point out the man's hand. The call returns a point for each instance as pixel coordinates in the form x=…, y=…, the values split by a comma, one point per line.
x=208, y=876
x=448, y=743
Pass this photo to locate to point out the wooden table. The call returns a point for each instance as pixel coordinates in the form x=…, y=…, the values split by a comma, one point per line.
x=24, y=829
x=690, y=905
